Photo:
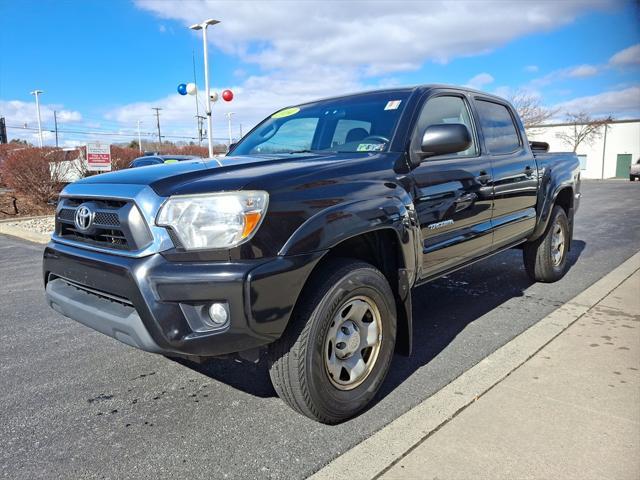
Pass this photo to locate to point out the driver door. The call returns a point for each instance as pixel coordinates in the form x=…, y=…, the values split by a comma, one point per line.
x=453, y=197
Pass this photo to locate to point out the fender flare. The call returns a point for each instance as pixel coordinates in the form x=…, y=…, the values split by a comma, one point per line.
x=548, y=192
x=333, y=225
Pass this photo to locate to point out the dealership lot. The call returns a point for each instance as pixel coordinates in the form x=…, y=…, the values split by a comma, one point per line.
x=75, y=403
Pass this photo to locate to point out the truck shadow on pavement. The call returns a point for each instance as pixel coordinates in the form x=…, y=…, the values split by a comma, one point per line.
x=462, y=297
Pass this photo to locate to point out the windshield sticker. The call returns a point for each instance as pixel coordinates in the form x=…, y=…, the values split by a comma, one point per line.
x=392, y=104
x=287, y=112
x=370, y=147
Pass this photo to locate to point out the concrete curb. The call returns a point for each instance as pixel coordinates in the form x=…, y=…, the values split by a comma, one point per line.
x=24, y=219
x=24, y=234
x=386, y=447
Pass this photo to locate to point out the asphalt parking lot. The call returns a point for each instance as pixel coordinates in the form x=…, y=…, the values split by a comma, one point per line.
x=77, y=404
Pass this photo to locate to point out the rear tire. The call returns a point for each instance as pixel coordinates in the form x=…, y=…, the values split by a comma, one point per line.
x=336, y=351
x=545, y=259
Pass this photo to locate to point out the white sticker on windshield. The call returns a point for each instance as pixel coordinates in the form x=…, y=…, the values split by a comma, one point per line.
x=370, y=147
x=392, y=104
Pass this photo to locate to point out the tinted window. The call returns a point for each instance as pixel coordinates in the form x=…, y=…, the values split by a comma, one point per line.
x=361, y=123
x=349, y=131
x=143, y=162
x=500, y=133
x=440, y=110
x=296, y=134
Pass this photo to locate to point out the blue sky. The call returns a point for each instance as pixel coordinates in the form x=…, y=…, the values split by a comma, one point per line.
x=103, y=65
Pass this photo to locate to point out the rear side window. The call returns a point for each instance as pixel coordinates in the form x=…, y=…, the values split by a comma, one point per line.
x=143, y=162
x=500, y=133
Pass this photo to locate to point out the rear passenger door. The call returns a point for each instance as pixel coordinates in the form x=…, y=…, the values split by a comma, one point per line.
x=453, y=193
x=515, y=174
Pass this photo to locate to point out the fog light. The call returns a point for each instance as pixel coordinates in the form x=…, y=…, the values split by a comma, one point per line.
x=218, y=313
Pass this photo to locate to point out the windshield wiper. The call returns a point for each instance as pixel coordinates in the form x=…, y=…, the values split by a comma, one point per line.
x=300, y=151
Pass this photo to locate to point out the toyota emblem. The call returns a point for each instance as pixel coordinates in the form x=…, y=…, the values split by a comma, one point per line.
x=83, y=218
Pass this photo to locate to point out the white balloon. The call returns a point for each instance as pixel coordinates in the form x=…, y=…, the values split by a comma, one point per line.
x=214, y=96
x=191, y=88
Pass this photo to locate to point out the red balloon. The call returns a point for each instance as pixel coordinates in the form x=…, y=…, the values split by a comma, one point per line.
x=227, y=95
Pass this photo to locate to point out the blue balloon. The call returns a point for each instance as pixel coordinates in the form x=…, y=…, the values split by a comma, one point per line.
x=182, y=89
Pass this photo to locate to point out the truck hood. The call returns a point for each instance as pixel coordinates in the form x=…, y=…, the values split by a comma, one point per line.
x=234, y=173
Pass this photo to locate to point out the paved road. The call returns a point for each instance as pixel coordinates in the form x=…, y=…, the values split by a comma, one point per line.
x=76, y=404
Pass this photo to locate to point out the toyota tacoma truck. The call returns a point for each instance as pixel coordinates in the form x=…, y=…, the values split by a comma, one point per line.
x=307, y=238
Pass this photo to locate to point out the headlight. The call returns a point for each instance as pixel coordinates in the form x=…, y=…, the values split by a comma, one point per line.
x=216, y=220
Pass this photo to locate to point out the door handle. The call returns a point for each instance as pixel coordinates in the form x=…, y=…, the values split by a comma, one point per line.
x=465, y=201
x=528, y=171
x=483, y=178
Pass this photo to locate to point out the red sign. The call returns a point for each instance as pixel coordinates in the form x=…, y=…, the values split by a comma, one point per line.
x=98, y=156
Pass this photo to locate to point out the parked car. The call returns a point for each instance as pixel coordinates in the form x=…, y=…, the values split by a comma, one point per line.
x=634, y=171
x=160, y=159
x=308, y=238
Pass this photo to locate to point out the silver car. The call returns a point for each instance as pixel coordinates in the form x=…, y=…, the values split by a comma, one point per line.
x=634, y=171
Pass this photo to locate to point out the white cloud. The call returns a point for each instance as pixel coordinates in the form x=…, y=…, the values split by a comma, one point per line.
x=480, y=80
x=254, y=99
x=617, y=103
x=628, y=56
x=582, y=71
x=531, y=68
x=18, y=113
x=372, y=37
x=578, y=71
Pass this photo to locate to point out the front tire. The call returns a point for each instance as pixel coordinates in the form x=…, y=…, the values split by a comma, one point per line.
x=545, y=259
x=336, y=351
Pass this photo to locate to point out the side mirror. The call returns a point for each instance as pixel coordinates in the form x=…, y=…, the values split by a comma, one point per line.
x=445, y=138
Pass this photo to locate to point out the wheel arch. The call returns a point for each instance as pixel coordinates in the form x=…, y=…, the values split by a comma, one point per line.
x=382, y=248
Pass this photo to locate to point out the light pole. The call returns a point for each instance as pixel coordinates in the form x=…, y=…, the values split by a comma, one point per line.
x=228, y=115
x=37, y=93
x=139, y=137
x=203, y=26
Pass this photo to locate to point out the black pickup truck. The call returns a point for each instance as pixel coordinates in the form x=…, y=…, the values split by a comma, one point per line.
x=308, y=237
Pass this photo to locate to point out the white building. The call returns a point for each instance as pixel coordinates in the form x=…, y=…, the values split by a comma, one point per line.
x=607, y=157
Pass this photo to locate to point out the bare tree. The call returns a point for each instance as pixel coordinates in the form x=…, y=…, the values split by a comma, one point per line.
x=584, y=129
x=531, y=110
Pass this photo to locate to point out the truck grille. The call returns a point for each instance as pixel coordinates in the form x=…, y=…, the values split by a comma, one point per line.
x=115, y=224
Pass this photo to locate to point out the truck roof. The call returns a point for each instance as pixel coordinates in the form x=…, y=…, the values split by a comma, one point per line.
x=411, y=89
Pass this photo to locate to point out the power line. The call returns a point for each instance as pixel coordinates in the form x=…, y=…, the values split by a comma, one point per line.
x=114, y=134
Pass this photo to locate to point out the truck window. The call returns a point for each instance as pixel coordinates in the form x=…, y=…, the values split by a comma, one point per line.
x=362, y=124
x=350, y=130
x=295, y=134
x=445, y=109
x=500, y=133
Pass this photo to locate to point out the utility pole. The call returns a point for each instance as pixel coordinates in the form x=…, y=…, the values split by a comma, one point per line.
x=157, y=109
x=37, y=93
x=228, y=115
x=55, y=121
x=203, y=26
x=139, y=138
x=3, y=131
x=201, y=120
x=240, y=130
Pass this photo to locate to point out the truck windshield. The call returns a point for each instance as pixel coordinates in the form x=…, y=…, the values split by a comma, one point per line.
x=362, y=123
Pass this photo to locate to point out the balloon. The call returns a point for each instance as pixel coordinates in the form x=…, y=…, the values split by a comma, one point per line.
x=227, y=95
x=182, y=89
x=214, y=96
x=191, y=88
